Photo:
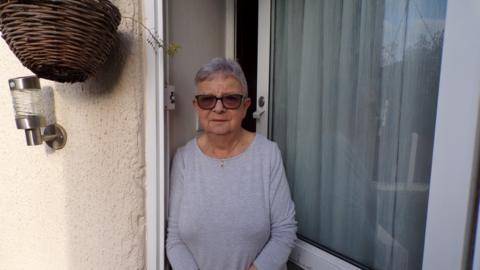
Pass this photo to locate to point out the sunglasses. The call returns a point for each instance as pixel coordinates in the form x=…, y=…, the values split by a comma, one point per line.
x=208, y=102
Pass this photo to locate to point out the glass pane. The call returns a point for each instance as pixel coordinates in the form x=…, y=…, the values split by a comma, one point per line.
x=355, y=88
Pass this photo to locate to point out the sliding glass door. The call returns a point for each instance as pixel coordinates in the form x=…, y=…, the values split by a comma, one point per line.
x=353, y=94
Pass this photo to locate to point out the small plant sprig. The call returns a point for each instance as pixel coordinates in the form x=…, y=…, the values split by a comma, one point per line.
x=155, y=41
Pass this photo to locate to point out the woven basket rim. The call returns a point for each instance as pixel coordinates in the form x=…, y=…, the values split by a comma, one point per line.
x=46, y=35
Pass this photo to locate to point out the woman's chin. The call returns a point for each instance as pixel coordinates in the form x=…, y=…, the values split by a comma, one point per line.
x=219, y=130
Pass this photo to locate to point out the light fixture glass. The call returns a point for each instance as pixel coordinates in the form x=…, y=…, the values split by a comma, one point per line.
x=29, y=113
x=27, y=96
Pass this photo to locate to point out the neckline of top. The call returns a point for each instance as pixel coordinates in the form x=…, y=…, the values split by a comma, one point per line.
x=250, y=146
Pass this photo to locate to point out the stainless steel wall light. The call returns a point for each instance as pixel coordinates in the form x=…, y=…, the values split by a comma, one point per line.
x=29, y=113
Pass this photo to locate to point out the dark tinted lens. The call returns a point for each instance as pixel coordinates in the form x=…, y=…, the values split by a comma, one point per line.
x=206, y=101
x=232, y=101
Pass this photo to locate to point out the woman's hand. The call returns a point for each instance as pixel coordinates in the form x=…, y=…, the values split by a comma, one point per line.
x=252, y=267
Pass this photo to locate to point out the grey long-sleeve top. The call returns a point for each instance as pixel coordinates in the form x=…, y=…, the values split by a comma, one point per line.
x=227, y=214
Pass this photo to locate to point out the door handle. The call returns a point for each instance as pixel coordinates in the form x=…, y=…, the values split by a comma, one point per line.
x=258, y=113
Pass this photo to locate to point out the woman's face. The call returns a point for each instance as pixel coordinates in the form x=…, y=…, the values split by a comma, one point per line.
x=219, y=120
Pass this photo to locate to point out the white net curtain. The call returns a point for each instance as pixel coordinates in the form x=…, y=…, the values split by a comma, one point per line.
x=355, y=88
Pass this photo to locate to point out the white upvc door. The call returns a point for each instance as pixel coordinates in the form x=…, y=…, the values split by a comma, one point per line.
x=380, y=130
x=156, y=152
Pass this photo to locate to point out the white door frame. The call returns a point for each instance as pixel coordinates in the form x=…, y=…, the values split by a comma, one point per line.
x=263, y=65
x=154, y=141
x=454, y=165
x=455, y=151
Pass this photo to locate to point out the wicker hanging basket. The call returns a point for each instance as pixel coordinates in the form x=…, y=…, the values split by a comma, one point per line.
x=60, y=40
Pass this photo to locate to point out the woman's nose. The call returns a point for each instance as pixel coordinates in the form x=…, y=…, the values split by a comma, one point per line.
x=219, y=106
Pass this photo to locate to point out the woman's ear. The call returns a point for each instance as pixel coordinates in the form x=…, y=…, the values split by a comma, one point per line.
x=247, y=103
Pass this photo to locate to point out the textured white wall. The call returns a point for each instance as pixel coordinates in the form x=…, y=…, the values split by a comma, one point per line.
x=81, y=207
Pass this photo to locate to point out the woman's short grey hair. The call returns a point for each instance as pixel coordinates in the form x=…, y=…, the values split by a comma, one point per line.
x=222, y=66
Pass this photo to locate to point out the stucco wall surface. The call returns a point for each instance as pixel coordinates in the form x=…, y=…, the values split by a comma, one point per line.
x=81, y=207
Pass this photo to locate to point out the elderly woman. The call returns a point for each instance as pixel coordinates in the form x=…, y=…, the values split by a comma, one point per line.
x=230, y=205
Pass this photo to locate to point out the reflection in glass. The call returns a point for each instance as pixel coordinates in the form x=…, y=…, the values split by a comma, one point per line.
x=355, y=88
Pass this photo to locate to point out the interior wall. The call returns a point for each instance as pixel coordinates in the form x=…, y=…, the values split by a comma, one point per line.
x=199, y=28
x=81, y=207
